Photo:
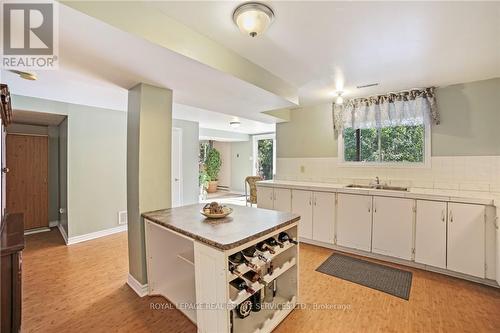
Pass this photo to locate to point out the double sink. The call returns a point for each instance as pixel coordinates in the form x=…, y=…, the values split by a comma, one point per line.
x=379, y=187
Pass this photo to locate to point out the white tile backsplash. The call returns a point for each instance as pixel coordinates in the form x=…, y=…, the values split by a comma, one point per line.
x=474, y=173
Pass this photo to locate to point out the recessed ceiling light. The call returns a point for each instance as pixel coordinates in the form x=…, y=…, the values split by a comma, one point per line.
x=253, y=18
x=367, y=85
x=24, y=75
x=235, y=122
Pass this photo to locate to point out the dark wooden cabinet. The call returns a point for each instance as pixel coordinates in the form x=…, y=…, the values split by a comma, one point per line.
x=12, y=245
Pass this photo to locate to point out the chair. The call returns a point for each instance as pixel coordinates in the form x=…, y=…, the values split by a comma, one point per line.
x=250, y=183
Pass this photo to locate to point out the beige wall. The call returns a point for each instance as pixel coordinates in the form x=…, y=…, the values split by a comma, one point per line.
x=224, y=149
x=241, y=164
x=470, y=114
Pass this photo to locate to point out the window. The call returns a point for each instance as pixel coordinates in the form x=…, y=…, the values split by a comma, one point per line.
x=398, y=144
x=264, y=155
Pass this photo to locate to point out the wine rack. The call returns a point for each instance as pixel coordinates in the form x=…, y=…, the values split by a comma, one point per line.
x=282, y=277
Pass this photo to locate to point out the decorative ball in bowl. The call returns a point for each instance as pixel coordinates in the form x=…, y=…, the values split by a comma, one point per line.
x=214, y=210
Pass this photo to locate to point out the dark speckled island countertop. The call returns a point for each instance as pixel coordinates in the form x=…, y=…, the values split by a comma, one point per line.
x=243, y=225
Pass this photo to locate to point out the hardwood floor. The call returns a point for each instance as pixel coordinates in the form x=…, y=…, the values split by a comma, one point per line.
x=81, y=288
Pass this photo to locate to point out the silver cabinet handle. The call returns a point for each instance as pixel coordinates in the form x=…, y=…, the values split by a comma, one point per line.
x=451, y=216
x=310, y=200
x=442, y=216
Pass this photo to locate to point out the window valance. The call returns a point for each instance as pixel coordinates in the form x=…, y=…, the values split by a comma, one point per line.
x=405, y=108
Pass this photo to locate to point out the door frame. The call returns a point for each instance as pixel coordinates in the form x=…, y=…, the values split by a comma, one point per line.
x=11, y=134
x=255, y=139
x=178, y=130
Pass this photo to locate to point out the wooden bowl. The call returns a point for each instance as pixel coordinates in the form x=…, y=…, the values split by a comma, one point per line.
x=226, y=212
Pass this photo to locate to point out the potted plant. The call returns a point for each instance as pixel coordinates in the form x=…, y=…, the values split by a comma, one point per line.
x=212, y=165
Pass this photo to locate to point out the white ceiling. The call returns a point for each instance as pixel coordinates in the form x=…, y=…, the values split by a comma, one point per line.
x=401, y=45
x=98, y=63
x=311, y=45
x=220, y=121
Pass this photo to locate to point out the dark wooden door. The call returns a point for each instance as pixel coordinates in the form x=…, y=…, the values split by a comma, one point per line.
x=27, y=189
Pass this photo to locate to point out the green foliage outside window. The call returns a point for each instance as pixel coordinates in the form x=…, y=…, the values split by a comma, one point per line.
x=388, y=144
x=265, y=158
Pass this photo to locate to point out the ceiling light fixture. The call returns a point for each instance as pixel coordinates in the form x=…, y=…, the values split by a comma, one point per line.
x=253, y=18
x=340, y=99
x=24, y=75
x=235, y=122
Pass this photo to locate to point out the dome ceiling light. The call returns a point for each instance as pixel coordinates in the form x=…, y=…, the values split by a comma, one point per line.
x=253, y=18
x=24, y=75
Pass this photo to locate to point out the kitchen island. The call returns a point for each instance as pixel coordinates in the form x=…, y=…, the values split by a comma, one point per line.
x=191, y=262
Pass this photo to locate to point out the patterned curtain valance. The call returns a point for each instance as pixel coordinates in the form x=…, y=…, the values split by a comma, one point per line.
x=412, y=107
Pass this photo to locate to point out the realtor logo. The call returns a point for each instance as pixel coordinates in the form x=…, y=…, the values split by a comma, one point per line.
x=29, y=35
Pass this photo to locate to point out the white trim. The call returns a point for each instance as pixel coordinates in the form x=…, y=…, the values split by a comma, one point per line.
x=36, y=231
x=403, y=165
x=140, y=289
x=181, y=194
x=94, y=235
x=53, y=224
x=63, y=233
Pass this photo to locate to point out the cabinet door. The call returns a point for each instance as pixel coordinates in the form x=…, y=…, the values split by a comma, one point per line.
x=354, y=221
x=393, y=227
x=323, y=216
x=430, y=233
x=283, y=199
x=265, y=197
x=466, y=239
x=302, y=205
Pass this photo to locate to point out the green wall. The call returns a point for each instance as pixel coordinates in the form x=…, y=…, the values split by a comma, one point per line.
x=96, y=162
x=309, y=133
x=470, y=116
x=470, y=120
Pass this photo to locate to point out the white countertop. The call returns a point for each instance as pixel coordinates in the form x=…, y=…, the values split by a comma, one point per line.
x=474, y=197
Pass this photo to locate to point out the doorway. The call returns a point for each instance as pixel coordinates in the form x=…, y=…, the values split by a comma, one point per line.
x=36, y=158
x=176, y=167
x=27, y=179
x=264, y=155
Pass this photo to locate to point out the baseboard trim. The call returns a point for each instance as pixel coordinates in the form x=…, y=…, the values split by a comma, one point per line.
x=140, y=289
x=53, y=224
x=36, y=231
x=491, y=283
x=97, y=234
x=63, y=233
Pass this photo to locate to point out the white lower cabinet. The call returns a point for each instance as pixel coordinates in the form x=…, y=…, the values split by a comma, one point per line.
x=302, y=205
x=354, y=221
x=323, y=216
x=283, y=199
x=430, y=233
x=466, y=239
x=393, y=227
x=265, y=197
x=317, y=214
x=274, y=198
